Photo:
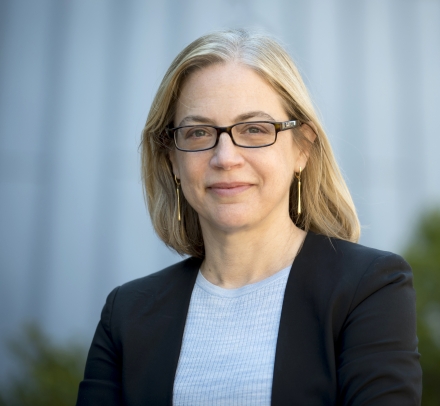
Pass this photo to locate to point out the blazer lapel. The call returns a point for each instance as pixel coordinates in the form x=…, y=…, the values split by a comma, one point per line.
x=288, y=353
x=162, y=336
x=301, y=356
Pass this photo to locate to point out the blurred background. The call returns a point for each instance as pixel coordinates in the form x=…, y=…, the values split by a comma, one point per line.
x=76, y=82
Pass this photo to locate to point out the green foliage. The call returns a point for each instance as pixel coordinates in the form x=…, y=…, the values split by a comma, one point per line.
x=423, y=253
x=48, y=375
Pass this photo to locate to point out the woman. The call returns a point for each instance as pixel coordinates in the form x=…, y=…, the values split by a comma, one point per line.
x=276, y=304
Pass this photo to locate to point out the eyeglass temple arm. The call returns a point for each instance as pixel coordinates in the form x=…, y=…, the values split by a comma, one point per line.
x=289, y=124
x=279, y=127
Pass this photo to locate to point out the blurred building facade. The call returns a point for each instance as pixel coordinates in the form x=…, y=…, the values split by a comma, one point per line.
x=76, y=82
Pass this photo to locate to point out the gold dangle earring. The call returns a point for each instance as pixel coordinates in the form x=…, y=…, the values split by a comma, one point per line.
x=299, y=190
x=178, y=196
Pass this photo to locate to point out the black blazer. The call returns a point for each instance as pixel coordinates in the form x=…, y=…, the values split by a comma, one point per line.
x=347, y=333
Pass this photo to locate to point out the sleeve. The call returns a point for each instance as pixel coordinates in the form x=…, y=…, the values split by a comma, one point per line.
x=102, y=376
x=378, y=362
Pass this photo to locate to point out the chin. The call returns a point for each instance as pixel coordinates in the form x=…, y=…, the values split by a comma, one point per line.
x=230, y=221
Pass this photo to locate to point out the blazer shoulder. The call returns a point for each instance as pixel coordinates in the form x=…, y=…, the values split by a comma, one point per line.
x=144, y=292
x=337, y=252
x=148, y=294
x=158, y=280
x=331, y=264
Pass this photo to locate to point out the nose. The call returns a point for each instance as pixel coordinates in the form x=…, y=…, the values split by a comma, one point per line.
x=226, y=154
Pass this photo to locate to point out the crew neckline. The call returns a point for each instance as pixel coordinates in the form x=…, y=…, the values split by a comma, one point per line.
x=215, y=290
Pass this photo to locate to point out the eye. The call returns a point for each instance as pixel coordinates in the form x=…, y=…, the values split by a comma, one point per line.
x=197, y=132
x=255, y=129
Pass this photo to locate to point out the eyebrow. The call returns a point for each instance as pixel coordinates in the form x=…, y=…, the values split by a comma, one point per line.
x=241, y=117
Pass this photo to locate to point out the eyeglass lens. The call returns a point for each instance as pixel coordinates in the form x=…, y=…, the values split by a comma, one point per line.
x=252, y=134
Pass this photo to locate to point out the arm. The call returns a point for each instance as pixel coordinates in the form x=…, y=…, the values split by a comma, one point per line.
x=378, y=362
x=102, y=376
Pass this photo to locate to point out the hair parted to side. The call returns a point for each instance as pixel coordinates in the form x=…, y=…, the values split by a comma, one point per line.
x=327, y=207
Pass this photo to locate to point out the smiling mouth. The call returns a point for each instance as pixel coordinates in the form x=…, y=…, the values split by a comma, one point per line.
x=229, y=189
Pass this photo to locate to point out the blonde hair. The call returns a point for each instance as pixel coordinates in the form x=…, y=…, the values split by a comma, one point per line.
x=327, y=207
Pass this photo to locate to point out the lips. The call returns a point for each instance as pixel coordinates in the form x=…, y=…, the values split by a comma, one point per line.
x=229, y=188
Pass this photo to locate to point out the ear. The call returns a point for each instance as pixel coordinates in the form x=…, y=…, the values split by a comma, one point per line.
x=309, y=131
x=173, y=160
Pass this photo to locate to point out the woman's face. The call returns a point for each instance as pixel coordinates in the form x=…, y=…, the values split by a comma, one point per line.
x=234, y=188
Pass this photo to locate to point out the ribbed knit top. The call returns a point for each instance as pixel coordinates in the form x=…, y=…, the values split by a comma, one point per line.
x=229, y=342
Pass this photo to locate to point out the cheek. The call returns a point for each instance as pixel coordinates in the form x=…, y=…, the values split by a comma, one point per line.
x=282, y=165
x=192, y=177
x=181, y=165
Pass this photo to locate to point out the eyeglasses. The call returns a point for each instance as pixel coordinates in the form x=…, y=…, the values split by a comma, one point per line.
x=252, y=134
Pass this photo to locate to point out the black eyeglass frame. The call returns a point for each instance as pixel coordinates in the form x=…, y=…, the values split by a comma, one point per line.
x=279, y=126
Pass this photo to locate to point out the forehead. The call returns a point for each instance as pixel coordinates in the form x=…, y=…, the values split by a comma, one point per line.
x=221, y=92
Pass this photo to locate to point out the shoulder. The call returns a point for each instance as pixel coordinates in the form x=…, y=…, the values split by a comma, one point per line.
x=143, y=294
x=333, y=270
x=331, y=249
x=347, y=258
x=170, y=276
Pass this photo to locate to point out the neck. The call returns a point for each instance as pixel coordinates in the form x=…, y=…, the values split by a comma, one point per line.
x=235, y=259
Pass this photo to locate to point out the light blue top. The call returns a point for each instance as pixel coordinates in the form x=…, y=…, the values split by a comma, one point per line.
x=229, y=343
